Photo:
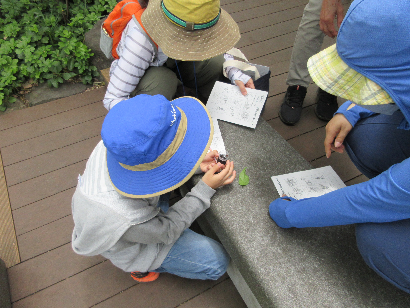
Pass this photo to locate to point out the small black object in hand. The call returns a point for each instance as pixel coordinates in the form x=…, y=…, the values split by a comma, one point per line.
x=222, y=158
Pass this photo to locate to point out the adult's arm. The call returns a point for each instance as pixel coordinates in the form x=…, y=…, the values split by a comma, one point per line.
x=384, y=198
x=341, y=124
x=331, y=9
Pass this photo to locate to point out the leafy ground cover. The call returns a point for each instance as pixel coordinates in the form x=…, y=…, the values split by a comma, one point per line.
x=43, y=41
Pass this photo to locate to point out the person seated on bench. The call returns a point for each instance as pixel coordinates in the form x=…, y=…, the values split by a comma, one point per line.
x=195, y=54
x=120, y=207
x=369, y=66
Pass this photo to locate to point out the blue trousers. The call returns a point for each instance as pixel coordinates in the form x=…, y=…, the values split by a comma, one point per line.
x=374, y=145
x=194, y=255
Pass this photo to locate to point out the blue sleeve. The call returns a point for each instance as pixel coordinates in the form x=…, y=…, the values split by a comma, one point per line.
x=384, y=198
x=354, y=114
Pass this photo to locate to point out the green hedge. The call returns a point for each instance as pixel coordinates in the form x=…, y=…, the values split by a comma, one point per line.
x=43, y=41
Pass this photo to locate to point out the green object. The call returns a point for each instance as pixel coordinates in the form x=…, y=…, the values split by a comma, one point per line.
x=243, y=178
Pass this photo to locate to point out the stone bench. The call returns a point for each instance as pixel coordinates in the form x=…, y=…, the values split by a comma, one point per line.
x=274, y=267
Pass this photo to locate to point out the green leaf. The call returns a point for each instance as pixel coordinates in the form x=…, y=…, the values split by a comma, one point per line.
x=243, y=178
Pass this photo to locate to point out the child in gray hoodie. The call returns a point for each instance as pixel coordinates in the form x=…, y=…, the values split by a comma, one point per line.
x=151, y=146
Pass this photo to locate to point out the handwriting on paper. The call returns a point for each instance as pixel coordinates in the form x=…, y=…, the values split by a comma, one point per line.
x=309, y=183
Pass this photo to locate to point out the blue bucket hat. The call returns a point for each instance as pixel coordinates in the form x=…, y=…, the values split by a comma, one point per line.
x=154, y=145
x=370, y=64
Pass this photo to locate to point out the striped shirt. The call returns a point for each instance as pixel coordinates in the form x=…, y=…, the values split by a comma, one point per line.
x=137, y=54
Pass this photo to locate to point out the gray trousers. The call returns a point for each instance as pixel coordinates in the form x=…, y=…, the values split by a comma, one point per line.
x=308, y=42
x=199, y=75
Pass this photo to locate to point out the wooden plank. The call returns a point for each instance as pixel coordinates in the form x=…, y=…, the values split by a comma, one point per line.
x=272, y=108
x=46, y=270
x=45, y=211
x=258, y=9
x=9, y=252
x=271, y=18
x=84, y=289
x=45, y=186
x=310, y=146
x=55, y=140
x=51, y=161
x=24, y=116
x=53, y=123
x=216, y=296
x=272, y=45
x=308, y=123
x=359, y=179
x=173, y=289
x=268, y=33
x=48, y=237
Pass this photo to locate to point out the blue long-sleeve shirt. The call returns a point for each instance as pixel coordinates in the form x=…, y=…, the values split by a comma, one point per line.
x=384, y=198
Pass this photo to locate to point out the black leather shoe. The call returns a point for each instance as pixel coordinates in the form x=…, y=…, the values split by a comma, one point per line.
x=291, y=108
x=326, y=105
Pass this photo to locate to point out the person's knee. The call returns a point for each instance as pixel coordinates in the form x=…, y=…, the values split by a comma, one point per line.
x=218, y=267
x=381, y=256
x=158, y=80
x=217, y=259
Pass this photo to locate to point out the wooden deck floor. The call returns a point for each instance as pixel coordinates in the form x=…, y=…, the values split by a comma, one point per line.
x=44, y=148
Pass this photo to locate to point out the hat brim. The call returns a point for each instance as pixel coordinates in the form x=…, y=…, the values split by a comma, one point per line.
x=180, y=44
x=179, y=168
x=334, y=76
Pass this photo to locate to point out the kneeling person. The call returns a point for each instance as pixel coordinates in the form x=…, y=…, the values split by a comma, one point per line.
x=120, y=207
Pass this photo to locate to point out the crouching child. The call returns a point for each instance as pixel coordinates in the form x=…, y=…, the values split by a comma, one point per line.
x=151, y=146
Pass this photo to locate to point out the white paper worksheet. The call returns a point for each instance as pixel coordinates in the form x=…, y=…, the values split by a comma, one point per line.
x=309, y=183
x=227, y=103
x=217, y=141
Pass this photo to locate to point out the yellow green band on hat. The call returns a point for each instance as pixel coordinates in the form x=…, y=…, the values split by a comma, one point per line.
x=190, y=26
x=169, y=152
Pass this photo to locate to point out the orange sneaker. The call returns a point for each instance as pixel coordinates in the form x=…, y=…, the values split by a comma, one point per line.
x=144, y=277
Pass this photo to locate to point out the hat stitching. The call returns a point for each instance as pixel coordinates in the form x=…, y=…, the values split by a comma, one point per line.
x=169, y=151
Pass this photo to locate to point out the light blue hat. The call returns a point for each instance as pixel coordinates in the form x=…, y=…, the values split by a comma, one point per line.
x=154, y=145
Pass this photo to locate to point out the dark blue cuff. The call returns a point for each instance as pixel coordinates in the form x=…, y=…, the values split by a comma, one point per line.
x=277, y=211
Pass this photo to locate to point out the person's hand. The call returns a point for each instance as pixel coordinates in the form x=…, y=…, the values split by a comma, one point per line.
x=336, y=132
x=242, y=86
x=209, y=160
x=330, y=10
x=225, y=177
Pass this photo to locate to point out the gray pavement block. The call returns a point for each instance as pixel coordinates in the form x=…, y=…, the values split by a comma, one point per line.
x=311, y=267
x=43, y=93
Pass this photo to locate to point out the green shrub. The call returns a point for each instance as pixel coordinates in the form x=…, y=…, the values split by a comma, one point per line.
x=42, y=40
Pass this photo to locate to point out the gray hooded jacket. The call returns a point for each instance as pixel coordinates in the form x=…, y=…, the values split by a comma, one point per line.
x=133, y=233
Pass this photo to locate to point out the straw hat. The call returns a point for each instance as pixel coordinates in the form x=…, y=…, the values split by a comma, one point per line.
x=190, y=30
x=151, y=151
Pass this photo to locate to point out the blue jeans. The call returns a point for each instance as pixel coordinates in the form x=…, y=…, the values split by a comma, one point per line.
x=374, y=145
x=195, y=256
